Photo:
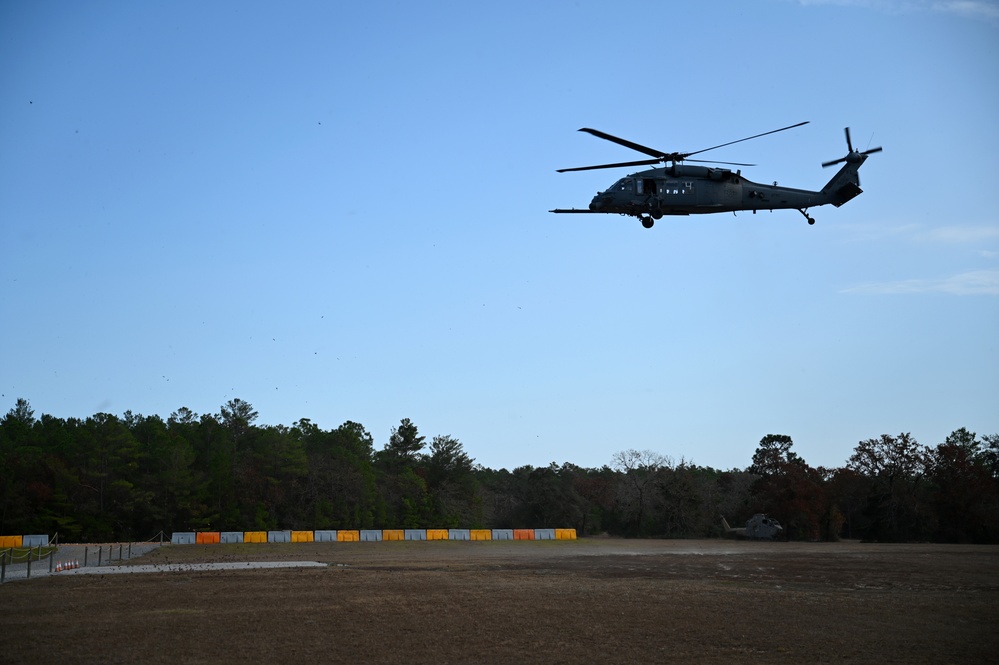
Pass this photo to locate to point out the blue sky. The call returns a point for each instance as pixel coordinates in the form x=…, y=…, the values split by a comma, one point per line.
x=339, y=212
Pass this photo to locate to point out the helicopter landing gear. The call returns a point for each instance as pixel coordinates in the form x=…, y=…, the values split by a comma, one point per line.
x=647, y=222
x=804, y=211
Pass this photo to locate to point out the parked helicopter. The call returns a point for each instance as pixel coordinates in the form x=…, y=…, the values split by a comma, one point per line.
x=758, y=527
x=679, y=189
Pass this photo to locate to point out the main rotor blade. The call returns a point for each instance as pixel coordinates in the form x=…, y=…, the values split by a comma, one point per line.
x=643, y=162
x=711, y=161
x=849, y=143
x=774, y=131
x=651, y=152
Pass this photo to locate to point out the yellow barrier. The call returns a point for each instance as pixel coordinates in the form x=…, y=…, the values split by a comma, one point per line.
x=301, y=537
x=565, y=534
x=10, y=541
x=481, y=534
x=393, y=534
x=348, y=536
x=254, y=536
x=436, y=534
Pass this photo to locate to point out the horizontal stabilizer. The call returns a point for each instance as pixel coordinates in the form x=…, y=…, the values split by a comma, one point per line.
x=846, y=192
x=576, y=211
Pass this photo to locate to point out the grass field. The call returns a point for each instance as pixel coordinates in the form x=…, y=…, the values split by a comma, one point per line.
x=603, y=600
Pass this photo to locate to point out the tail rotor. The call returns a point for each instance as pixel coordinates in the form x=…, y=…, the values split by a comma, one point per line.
x=852, y=155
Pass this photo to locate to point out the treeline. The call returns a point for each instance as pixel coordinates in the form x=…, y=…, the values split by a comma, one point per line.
x=109, y=477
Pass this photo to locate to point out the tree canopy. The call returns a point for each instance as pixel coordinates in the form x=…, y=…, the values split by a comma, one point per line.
x=112, y=477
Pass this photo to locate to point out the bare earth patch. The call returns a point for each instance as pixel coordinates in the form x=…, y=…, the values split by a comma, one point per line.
x=604, y=600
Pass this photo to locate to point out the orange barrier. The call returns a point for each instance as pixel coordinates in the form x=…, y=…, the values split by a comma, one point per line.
x=348, y=536
x=254, y=536
x=393, y=534
x=481, y=534
x=10, y=541
x=565, y=534
x=436, y=534
x=523, y=534
x=301, y=537
x=207, y=537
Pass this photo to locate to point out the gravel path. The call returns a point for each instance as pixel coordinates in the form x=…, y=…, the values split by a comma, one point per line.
x=109, y=555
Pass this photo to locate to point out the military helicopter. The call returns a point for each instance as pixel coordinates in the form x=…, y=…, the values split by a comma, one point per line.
x=758, y=527
x=679, y=189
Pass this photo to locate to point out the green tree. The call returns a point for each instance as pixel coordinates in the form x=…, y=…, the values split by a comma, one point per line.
x=451, y=483
x=895, y=467
x=772, y=454
x=404, y=444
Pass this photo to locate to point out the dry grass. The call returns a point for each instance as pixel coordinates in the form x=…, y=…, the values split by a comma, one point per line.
x=604, y=600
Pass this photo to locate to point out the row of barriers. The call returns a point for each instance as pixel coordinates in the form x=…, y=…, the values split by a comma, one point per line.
x=366, y=535
x=37, y=540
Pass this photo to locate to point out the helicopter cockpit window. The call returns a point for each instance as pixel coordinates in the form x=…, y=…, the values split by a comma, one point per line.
x=624, y=185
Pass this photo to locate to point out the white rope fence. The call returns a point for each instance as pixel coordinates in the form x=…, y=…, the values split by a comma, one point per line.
x=18, y=556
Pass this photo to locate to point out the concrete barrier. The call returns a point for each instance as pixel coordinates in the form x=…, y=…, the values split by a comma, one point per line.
x=40, y=540
x=371, y=535
x=459, y=534
x=415, y=534
x=325, y=536
x=544, y=534
x=231, y=537
x=182, y=538
x=502, y=534
x=279, y=536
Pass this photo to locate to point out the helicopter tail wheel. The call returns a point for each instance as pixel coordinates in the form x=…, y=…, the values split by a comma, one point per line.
x=804, y=212
x=647, y=222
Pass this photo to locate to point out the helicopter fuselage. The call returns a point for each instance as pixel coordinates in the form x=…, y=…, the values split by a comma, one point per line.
x=692, y=190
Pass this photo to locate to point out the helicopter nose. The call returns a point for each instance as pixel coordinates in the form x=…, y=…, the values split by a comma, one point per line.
x=598, y=202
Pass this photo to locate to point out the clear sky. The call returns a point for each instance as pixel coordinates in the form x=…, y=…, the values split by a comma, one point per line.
x=339, y=211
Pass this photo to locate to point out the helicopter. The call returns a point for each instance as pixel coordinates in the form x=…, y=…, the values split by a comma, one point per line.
x=758, y=527
x=680, y=189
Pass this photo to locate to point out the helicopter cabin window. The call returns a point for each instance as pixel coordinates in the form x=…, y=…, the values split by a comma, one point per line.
x=677, y=188
x=646, y=186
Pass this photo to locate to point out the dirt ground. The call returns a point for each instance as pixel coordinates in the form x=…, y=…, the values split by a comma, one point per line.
x=603, y=600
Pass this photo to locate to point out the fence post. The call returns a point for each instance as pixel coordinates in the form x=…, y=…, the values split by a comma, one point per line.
x=3, y=567
x=85, y=549
x=51, y=556
x=130, y=551
x=119, y=552
x=29, y=564
x=100, y=554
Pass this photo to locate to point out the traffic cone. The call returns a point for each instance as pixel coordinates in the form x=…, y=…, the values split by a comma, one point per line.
x=58, y=567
